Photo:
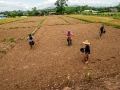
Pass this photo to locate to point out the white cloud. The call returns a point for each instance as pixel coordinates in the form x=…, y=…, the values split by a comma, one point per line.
x=11, y=5
x=6, y=6
x=93, y=3
x=45, y=4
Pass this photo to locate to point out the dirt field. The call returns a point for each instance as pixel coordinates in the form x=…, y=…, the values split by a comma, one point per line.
x=52, y=64
x=17, y=30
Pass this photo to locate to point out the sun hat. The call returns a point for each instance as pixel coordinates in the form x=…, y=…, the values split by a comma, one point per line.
x=68, y=32
x=86, y=42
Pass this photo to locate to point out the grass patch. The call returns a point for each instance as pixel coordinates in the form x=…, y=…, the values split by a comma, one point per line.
x=14, y=27
x=11, y=45
x=4, y=40
x=41, y=21
x=17, y=27
x=22, y=38
x=8, y=20
x=57, y=24
x=84, y=20
x=118, y=26
x=110, y=21
x=39, y=25
x=23, y=27
x=11, y=40
x=27, y=21
x=64, y=20
x=8, y=40
x=3, y=51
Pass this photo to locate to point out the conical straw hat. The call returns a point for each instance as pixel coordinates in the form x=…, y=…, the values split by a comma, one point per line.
x=86, y=42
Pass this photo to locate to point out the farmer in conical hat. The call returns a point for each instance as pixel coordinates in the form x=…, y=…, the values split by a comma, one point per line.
x=69, y=38
x=87, y=51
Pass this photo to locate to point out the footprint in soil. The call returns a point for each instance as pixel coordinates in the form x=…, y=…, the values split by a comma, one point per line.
x=99, y=59
x=107, y=59
x=113, y=57
x=17, y=86
x=92, y=62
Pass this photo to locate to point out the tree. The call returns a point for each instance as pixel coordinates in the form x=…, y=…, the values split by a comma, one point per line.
x=34, y=12
x=60, y=6
x=44, y=12
x=19, y=13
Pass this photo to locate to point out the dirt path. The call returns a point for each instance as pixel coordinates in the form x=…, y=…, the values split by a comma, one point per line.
x=53, y=65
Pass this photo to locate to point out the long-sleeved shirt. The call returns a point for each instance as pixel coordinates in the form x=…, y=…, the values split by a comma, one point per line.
x=87, y=49
x=30, y=40
x=69, y=36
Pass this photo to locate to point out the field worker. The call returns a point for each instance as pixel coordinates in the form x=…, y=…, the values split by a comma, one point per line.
x=31, y=40
x=69, y=38
x=102, y=30
x=87, y=51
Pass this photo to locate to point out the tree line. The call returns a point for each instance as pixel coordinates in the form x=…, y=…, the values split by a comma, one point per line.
x=33, y=12
x=60, y=9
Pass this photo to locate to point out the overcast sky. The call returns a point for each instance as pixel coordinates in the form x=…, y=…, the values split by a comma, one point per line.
x=10, y=5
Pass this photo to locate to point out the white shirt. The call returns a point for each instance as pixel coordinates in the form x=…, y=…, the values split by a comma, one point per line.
x=31, y=39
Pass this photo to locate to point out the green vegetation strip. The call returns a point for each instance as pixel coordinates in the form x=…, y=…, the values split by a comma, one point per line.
x=8, y=20
x=110, y=21
x=115, y=15
x=3, y=51
x=39, y=25
x=64, y=20
x=8, y=40
x=42, y=20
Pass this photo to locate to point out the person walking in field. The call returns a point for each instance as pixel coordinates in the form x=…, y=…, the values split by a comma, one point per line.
x=69, y=38
x=102, y=30
x=86, y=51
x=31, y=40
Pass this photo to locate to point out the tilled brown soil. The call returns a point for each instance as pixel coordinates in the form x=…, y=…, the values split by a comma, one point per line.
x=17, y=30
x=53, y=65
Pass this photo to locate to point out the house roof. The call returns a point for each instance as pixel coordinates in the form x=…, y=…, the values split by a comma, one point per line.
x=114, y=9
x=2, y=15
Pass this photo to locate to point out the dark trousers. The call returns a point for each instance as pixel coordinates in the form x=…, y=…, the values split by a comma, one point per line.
x=31, y=43
x=86, y=57
x=69, y=41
